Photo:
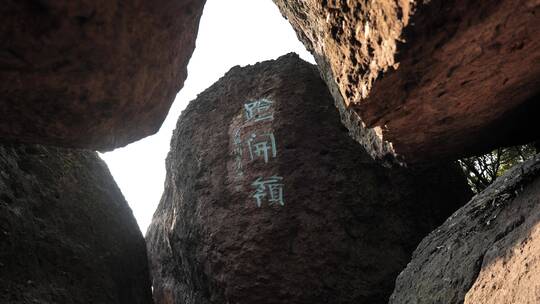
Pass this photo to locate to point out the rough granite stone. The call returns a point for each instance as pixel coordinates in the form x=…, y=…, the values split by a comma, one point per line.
x=66, y=233
x=421, y=81
x=333, y=225
x=94, y=74
x=487, y=252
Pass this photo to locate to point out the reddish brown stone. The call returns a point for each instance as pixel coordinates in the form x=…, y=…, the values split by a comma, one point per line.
x=95, y=74
x=430, y=79
x=346, y=227
x=67, y=234
x=486, y=252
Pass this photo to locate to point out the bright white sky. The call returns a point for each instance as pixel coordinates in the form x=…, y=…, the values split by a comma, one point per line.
x=232, y=32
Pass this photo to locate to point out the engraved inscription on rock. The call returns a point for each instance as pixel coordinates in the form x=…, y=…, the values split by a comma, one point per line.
x=254, y=150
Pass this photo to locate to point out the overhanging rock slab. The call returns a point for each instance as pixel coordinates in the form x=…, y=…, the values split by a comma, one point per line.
x=427, y=80
x=92, y=74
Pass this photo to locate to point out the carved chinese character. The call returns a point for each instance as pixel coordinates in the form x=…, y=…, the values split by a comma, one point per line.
x=271, y=189
x=258, y=110
x=262, y=146
x=238, y=152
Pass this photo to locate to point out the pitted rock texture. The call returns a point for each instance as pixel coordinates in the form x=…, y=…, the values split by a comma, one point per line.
x=419, y=81
x=344, y=229
x=487, y=252
x=92, y=74
x=66, y=233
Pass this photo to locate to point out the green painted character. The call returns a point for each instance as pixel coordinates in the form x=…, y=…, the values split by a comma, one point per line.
x=271, y=189
x=262, y=148
x=259, y=110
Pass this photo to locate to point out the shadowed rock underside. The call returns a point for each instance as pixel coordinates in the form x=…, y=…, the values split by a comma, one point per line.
x=92, y=74
x=427, y=80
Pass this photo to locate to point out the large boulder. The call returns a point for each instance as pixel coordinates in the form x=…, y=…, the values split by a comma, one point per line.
x=487, y=252
x=267, y=202
x=66, y=233
x=93, y=74
x=427, y=80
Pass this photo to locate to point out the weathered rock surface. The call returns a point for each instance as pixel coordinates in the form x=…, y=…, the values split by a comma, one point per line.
x=427, y=80
x=333, y=225
x=92, y=74
x=487, y=252
x=66, y=233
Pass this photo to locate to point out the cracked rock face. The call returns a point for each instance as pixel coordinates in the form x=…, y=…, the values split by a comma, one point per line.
x=92, y=74
x=66, y=233
x=266, y=202
x=487, y=252
x=427, y=80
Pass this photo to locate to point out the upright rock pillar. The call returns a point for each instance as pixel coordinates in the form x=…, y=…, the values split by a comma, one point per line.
x=268, y=200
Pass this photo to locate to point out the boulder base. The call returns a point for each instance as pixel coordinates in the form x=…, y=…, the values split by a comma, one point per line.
x=487, y=252
x=66, y=233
